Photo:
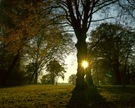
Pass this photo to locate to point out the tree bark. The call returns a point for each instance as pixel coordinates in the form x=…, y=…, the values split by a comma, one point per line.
x=89, y=79
x=81, y=46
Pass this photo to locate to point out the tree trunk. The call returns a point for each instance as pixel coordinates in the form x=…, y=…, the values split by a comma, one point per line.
x=36, y=77
x=52, y=78
x=31, y=78
x=89, y=77
x=126, y=68
x=81, y=46
x=117, y=72
x=11, y=68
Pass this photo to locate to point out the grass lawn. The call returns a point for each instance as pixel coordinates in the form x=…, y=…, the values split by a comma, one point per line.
x=47, y=96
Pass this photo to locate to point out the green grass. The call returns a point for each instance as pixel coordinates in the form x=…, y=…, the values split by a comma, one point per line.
x=119, y=97
x=43, y=96
x=32, y=96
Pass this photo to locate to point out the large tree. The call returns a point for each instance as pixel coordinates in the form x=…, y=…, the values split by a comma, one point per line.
x=79, y=15
x=20, y=21
x=37, y=49
x=43, y=48
x=55, y=70
x=22, y=24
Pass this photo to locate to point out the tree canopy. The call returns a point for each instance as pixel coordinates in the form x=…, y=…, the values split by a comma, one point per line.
x=112, y=55
x=27, y=36
x=55, y=70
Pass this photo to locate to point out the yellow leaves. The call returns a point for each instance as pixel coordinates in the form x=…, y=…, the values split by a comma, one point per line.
x=17, y=37
x=26, y=24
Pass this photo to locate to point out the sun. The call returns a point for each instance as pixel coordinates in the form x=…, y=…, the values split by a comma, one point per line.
x=85, y=64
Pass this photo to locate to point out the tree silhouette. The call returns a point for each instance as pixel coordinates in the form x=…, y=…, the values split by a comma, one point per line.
x=79, y=15
x=72, y=79
x=55, y=69
x=18, y=23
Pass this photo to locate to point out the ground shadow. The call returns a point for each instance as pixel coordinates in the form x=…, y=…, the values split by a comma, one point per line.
x=87, y=97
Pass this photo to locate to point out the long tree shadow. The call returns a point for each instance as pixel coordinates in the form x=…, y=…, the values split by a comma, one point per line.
x=87, y=97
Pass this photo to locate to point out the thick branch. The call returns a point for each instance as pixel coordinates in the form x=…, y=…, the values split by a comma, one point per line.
x=87, y=10
x=69, y=5
x=77, y=11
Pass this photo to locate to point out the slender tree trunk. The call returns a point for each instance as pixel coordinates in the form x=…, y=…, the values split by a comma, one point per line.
x=11, y=68
x=52, y=78
x=128, y=76
x=31, y=79
x=126, y=67
x=36, y=77
x=117, y=72
x=89, y=77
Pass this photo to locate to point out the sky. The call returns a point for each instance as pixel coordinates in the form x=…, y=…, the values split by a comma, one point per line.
x=71, y=62
x=71, y=68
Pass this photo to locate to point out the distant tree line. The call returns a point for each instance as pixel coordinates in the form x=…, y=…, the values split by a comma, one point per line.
x=113, y=54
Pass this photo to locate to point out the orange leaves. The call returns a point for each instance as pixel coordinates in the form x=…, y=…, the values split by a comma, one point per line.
x=23, y=24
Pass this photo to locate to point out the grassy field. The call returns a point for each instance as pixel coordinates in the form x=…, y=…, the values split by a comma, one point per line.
x=118, y=96
x=42, y=96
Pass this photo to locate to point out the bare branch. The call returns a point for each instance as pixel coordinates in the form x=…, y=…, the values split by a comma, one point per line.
x=103, y=4
x=126, y=10
x=77, y=11
x=96, y=43
x=102, y=19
